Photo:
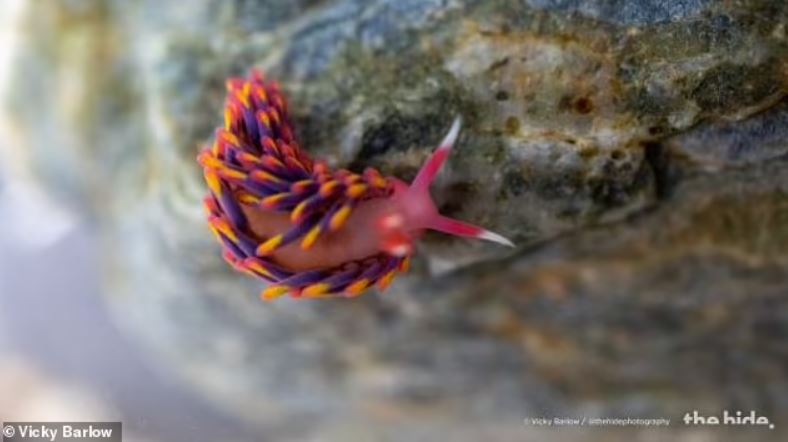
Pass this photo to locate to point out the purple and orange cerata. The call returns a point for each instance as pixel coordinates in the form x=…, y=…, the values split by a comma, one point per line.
x=308, y=230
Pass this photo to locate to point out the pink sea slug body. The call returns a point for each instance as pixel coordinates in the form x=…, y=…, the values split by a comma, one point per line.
x=305, y=229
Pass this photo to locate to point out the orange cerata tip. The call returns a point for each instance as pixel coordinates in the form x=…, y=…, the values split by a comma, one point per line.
x=305, y=229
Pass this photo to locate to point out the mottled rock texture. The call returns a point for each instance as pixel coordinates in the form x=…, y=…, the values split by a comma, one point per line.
x=635, y=151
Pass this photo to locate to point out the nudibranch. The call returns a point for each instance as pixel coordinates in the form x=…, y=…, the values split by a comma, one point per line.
x=308, y=230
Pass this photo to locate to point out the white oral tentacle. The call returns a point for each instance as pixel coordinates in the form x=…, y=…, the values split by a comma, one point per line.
x=451, y=137
x=494, y=237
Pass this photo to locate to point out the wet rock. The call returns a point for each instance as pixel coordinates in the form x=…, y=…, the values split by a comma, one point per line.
x=627, y=13
x=729, y=144
x=677, y=303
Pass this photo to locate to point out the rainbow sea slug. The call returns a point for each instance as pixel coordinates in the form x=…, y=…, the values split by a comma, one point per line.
x=308, y=230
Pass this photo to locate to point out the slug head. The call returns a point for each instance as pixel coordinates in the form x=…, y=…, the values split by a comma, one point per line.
x=412, y=209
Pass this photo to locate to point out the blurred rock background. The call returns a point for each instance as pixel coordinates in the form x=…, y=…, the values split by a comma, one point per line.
x=637, y=152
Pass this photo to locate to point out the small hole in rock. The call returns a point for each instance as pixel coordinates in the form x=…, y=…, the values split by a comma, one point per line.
x=583, y=105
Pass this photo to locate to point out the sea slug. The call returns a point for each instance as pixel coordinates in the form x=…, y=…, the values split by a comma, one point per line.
x=308, y=230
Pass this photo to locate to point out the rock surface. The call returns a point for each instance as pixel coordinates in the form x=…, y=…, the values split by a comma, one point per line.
x=636, y=151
